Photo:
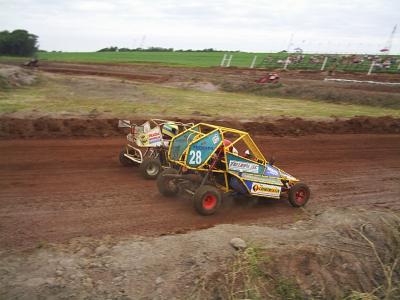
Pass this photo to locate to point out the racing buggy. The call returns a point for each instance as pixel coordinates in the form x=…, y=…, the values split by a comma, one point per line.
x=147, y=145
x=209, y=160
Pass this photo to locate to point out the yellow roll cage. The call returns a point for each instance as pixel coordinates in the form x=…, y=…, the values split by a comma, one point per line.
x=202, y=129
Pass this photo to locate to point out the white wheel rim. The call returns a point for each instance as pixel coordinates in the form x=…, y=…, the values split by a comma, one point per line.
x=152, y=169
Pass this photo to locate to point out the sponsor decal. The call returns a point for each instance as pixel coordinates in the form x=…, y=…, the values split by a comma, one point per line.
x=203, y=148
x=243, y=166
x=154, y=135
x=150, y=138
x=265, y=190
x=155, y=139
x=271, y=171
x=144, y=138
x=260, y=178
x=215, y=139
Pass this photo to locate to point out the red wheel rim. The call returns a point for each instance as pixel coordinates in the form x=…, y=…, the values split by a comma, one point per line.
x=301, y=196
x=209, y=201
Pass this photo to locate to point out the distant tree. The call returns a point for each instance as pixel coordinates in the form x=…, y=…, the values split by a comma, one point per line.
x=159, y=49
x=109, y=49
x=18, y=42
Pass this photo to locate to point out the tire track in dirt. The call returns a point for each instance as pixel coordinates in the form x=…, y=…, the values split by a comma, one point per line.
x=57, y=189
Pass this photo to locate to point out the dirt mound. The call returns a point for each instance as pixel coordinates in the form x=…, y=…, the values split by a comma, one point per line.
x=340, y=253
x=335, y=254
x=11, y=76
x=51, y=127
x=298, y=126
x=321, y=91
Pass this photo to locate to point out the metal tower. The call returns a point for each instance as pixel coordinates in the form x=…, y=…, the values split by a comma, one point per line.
x=388, y=44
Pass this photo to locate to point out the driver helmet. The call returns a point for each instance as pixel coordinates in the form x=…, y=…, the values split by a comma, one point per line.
x=232, y=149
x=170, y=129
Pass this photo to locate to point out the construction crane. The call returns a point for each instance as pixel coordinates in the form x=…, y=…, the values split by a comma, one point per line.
x=388, y=44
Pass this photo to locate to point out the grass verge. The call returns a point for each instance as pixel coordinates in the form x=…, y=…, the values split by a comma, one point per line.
x=82, y=95
x=318, y=93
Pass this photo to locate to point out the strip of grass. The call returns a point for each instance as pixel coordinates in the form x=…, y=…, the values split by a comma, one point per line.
x=317, y=92
x=191, y=59
x=213, y=59
x=117, y=98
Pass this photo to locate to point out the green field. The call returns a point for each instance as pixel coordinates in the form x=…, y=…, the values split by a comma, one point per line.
x=239, y=59
x=192, y=59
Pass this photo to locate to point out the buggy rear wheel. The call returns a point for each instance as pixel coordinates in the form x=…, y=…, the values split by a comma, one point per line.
x=207, y=199
x=167, y=186
x=150, y=168
x=299, y=195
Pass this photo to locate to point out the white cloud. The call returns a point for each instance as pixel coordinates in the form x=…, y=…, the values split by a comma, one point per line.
x=336, y=26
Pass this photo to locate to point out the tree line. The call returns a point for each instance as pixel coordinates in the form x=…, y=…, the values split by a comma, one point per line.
x=18, y=42
x=153, y=49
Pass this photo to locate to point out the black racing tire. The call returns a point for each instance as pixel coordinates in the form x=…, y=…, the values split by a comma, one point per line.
x=207, y=199
x=166, y=185
x=126, y=162
x=150, y=168
x=299, y=194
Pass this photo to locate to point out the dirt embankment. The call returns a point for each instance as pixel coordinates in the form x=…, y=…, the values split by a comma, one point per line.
x=11, y=77
x=154, y=72
x=333, y=255
x=75, y=127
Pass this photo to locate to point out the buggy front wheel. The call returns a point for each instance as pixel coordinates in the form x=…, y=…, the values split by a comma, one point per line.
x=126, y=162
x=167, y=186
x=207, y=199
x=299, y=195
x=150, y=168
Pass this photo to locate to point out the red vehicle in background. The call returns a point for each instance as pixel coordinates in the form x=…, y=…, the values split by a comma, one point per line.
x=269, y=78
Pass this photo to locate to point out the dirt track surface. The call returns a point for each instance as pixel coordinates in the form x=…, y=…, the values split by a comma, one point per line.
x=56, y=189
x=159, y=73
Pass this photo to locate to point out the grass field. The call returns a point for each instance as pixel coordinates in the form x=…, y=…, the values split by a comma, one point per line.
x=82, y=95
x=191, y=59
x=212, y=59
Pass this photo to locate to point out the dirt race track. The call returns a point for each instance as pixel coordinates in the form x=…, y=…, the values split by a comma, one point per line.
x=52, y=190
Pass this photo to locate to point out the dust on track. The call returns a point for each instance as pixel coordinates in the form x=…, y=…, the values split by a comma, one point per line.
x=52, y=190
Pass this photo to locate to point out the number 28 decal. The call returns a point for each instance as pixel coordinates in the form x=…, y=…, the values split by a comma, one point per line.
x=194, y=157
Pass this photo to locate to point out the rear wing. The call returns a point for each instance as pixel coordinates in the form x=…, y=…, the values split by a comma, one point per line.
x=151, y=123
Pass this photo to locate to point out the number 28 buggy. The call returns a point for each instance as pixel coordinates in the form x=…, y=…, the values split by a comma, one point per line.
x=148, y=143
x=209, y=160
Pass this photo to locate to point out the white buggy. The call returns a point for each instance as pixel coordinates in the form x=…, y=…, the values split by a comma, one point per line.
x=147, y=145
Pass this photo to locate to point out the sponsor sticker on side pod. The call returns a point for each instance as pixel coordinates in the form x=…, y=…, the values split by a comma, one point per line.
x=260, y=178
x=265, y=190
x=243, y=166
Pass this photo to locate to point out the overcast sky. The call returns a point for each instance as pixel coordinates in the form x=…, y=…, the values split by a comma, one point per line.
x=250, y=25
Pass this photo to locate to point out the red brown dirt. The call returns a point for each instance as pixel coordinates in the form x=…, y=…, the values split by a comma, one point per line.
x=52, y=190
x=159, y=73
x=76, y=127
